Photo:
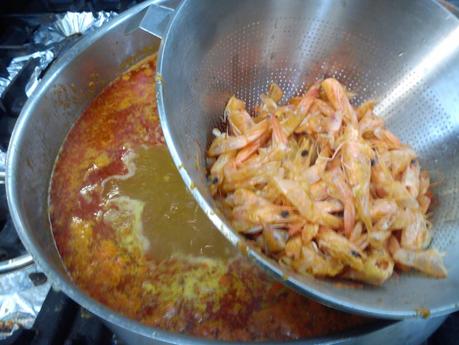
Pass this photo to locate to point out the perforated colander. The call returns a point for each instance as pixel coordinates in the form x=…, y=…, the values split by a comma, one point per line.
x=404, y=54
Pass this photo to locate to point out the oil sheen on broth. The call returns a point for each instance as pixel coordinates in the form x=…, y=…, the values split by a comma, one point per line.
x=132, y=237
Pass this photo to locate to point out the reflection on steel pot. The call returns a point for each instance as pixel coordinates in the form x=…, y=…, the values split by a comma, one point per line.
x=46, y=119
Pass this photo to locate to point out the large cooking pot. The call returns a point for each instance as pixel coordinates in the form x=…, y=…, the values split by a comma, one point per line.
x=67, y=89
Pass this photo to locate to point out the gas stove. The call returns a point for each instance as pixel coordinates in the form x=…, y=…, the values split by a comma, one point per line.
x=32, y=36
x=31, y=312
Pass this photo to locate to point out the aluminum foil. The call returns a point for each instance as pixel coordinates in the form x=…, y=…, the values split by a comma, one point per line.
x=71, y=23
x=50, y=39
x=21, y=294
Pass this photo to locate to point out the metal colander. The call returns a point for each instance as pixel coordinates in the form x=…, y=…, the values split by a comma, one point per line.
x=404, y=54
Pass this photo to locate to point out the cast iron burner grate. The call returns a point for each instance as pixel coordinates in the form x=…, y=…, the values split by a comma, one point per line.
x=62, y=321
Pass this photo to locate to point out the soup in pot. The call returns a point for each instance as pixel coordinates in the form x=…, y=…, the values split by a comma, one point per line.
x=133, y=238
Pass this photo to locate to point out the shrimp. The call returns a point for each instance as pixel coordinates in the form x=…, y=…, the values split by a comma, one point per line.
x=340, y=248
x=297, y=197
x=279, y=137
x=300, y=161
x=234, y=104
x=362, y=242
x=284, y=112
x=377, y=268
x=424, y=182
x=312, y=124
x=388, y=137
x=315, y=172
x=369, y=123
x=329, y=205
x=251, y=148
x=359, y=238
x=217, y=170
x=383, y=213
x=307, y=100
x=275, y=240
x=424, y=203
x=308, y=232
x=365, y=108
x=416, y=234
x=324, y=107
x=293, y=247
x=249, y=177
x=334, y=122
x=389, y=187
x=240, y=122
x=224, y=143
x=357, y=157
x=275, y=92
x=398, y=160
x=258, y=210
x=411, y=178
x=428, y=261
x=381, y=208
x=317, y=123
x=339, y=188
x=316, y=263
x=238, y=119
x=378, y=238
x=322, y=187
x=356, y=232
x=300, y=199
x=402, y=218
x=269, y=106
x=290, y=123
x=295, y=228
x=424, y=198
x=337, y=96
x=319, y=191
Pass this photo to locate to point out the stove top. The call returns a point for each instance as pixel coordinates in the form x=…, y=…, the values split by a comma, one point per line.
x=27, y=48
x=32, y=35
x=26, y=51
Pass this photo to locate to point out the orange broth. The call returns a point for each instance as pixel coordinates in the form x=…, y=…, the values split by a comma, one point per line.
x=132, y=237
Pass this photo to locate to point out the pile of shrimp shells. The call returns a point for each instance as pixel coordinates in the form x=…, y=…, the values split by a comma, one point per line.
x=324, y=187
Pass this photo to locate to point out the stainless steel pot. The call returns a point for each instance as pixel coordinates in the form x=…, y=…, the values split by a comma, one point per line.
x=44, y=122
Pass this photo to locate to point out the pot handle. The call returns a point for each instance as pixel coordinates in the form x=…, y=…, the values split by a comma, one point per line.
x=11, y=265
x=20, y=261
x=153, y=19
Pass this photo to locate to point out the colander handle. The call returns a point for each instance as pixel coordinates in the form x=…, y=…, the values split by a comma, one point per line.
x=153, y=19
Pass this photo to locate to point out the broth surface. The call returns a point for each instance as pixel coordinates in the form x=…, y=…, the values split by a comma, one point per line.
x=132, y=237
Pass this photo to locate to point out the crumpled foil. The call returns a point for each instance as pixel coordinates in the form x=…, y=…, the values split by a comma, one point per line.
x=50, y=39
x=21, y=297
x=17, y=64
x=71, y=23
